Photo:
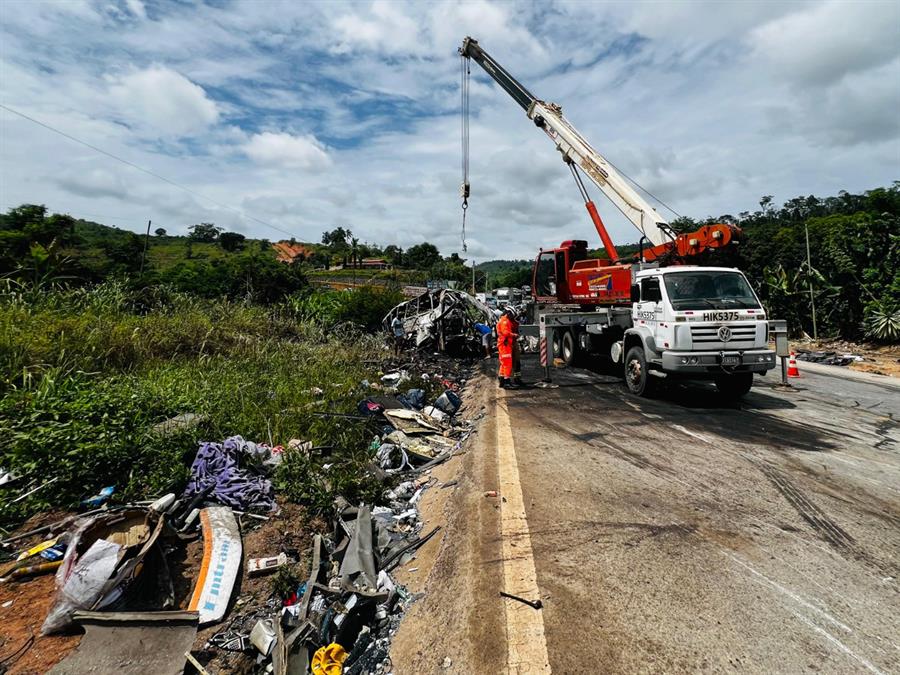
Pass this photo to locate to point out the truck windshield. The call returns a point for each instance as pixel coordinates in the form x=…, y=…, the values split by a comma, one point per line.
x=707, y=289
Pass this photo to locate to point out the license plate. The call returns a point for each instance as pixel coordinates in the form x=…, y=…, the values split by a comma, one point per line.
x=731, y=360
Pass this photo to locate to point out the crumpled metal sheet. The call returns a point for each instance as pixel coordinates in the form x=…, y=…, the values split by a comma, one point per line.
x=412, y=422
x=131, y=643
x=358, y=566
x=444, y=316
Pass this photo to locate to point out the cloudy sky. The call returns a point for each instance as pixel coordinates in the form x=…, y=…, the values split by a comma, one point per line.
x=293, y=117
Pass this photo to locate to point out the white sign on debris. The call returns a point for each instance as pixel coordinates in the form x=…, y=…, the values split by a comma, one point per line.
x=220, y=566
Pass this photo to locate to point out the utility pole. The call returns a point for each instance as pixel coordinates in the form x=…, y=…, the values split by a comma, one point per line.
x=473, y=276
x=812, y=299
x=146, y=246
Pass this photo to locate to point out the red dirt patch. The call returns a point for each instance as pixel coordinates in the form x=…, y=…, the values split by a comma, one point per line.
x=31, y=600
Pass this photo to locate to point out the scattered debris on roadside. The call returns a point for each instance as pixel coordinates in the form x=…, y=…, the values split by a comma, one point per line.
x=828, y=358
x=866, y=357
x=445, y=320
x=159, y=583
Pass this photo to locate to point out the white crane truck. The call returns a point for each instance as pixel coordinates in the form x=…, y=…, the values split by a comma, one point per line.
x=656, y=315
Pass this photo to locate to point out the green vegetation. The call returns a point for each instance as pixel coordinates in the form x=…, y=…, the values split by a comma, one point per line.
x=37, y=249
x=86, y=372
x=854, y=267
x=343, y=247
x=502, y=274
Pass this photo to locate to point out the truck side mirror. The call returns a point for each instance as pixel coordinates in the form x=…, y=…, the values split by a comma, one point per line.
x=635, y=293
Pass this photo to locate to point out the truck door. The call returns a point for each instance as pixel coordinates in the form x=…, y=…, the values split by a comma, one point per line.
x=545, y=277
x=649, y=308
x=562, y=278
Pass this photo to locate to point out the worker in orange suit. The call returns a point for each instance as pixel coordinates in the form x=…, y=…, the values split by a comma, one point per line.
x=507, y=335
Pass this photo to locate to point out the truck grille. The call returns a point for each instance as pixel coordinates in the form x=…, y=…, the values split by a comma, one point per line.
x=742, y=336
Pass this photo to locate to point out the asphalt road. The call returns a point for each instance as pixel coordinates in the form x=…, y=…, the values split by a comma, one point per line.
x=684, y=533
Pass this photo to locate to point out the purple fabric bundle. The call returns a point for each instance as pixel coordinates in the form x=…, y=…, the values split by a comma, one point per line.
x=219, y=463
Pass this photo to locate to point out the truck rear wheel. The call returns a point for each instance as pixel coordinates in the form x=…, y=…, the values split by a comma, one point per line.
x=564, y=346
x=568, y=348
x=637, y=375
x=735, y=385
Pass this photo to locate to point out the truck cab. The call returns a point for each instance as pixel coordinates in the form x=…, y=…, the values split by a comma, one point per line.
x=698, y=322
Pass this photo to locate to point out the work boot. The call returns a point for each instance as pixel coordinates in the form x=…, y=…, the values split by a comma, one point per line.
x=518, y=382
x=511, y=385
x=504, y=383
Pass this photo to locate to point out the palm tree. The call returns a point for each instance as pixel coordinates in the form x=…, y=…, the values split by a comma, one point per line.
x=354, y=251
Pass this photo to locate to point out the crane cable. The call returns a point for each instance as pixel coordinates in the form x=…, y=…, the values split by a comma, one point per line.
x=464, y=107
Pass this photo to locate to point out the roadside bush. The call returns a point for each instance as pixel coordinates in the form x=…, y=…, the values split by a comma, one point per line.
x=85, y=377
x=364, y=307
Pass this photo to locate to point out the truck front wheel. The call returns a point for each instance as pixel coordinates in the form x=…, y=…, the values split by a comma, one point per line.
x=637, y=376
x=735, y=385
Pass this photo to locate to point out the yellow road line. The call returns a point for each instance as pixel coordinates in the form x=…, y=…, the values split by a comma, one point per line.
x=525, y=641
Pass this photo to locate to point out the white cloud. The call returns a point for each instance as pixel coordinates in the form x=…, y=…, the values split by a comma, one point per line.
x=162, y=103
x=136, y=7
x=383, y=27
x=96, y=182
x=824, y=42
x=285, y=150
x=709, y=105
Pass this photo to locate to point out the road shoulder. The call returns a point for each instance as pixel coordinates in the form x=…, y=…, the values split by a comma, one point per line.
x=459, y=625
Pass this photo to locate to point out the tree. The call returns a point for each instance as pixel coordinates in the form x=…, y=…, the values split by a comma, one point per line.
x=337, y=239
x=160, y=232
x=232, y=241
x=393, y=254
x=421, y=256
x=204, y=232
x=512, y=278
x=450, y=270
x=126, y=253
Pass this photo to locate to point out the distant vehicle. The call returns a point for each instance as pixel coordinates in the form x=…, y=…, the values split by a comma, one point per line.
x=509, y=296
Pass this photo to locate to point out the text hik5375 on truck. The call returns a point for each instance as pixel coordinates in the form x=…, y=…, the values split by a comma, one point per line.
x=664, y=317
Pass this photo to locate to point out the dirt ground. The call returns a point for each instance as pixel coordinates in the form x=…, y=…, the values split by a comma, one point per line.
x=31, y=600
x=879, y=359
x=452, y=626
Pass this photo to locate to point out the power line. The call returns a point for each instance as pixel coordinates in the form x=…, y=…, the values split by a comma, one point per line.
x=146, y=171
x=642, y=188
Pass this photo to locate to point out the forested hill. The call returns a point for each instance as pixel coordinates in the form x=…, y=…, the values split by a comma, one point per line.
x=38, y=248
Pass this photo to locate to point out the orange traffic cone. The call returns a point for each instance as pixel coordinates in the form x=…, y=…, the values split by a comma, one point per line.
x=793, y=371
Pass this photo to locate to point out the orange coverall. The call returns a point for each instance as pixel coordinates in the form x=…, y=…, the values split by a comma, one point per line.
x=507, y=332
